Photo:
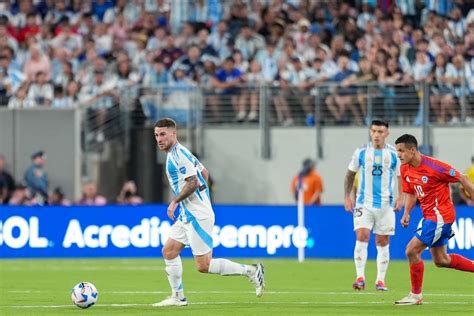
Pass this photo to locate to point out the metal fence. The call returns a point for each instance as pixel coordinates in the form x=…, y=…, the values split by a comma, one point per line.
x=327, y=104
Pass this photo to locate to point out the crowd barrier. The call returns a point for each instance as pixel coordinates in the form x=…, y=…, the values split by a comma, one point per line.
x=240, y=231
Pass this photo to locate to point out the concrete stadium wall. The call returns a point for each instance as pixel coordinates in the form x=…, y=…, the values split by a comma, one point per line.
x=23, y=132
x=241, y=176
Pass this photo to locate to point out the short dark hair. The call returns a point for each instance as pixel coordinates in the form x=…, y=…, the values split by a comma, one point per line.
x=407, y=139
x=379, y=122
x=166, y=122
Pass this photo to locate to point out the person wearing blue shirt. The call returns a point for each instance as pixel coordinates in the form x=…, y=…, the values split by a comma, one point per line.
x=36, y=178
x=226, y=82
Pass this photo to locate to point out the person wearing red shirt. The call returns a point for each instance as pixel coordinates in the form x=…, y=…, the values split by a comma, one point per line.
x=427, y=179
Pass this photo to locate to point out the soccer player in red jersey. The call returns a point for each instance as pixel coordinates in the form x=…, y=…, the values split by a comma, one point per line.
x=427, y=179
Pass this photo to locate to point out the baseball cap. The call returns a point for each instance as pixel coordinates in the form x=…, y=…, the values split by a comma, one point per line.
x=39, y=153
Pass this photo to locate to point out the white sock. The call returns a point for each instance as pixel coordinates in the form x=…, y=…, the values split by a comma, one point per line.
x=383, y=258
x=227, y=267
x=360, y=258
x=174, y=270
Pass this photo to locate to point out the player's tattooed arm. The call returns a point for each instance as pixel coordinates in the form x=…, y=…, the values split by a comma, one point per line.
x=349, y=182
x=191, y=185
x=349, y=202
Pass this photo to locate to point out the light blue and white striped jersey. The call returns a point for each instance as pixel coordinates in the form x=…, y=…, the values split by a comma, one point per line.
x=180, y=165
x=378, y=169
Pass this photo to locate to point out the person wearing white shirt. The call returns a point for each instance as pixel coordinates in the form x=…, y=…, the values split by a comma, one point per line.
x=41, y=92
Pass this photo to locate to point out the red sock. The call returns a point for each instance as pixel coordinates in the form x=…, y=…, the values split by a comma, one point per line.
x=460, y=263
x=416, y=275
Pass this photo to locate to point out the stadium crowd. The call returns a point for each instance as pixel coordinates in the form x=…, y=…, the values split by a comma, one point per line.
x=68, y=53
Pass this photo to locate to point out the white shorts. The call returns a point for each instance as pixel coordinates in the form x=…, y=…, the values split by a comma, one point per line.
x=380, y=221
x=196, y=234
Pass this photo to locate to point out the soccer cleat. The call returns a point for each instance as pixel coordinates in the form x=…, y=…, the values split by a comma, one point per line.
x=258, y=279
x=359, y=284
x=380, y=286
x=411, y=299
x=171, y=301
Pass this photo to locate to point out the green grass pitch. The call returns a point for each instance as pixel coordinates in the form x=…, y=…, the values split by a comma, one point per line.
x=315, y=287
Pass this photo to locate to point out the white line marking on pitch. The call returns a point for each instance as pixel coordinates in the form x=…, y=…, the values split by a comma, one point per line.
x=235, y=303
x=250, y=292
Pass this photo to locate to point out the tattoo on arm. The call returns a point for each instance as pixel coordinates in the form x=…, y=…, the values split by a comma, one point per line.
x=191, y=185
x=349, y=182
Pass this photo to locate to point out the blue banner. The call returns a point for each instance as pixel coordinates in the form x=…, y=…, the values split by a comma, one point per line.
x=240, y=231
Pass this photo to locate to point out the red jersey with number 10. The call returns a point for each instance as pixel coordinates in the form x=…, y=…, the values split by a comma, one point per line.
x=430, y=182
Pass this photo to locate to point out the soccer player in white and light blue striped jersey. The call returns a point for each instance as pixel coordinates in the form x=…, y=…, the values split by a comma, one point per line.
x=373, y=209
x=193, y=227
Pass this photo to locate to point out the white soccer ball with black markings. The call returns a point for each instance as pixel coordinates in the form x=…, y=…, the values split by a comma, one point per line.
x=84, y=295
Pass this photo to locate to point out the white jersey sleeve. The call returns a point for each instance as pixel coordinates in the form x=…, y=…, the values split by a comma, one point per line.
x=186, y=168
x=397, y=170
x=354, y=165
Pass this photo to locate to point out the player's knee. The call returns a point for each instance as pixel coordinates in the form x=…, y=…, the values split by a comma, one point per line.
x=168, y=253
x=410, y=252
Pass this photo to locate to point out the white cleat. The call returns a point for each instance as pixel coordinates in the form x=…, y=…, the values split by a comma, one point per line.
x=258, y=279
x=411, y=299
x=171, y=301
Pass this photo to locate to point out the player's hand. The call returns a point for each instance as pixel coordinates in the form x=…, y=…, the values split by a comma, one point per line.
x=405, y=221
x=171, y=209
x=349, y=204
x=398, y=204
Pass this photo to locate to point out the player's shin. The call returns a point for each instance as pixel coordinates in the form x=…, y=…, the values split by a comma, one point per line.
x=416, y=276
x=174, y=270
x=461, y=263
x=227, y=267
x=383, y=258
x=360, y=258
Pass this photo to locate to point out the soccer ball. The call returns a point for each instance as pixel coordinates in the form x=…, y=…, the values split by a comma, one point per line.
x=84, y=295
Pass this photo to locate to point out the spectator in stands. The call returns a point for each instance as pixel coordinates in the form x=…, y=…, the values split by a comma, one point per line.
x=308, y=180
x=254, y=80
x=226, y=81
x=342, y=100
x=129, y=194
x=37, y=62
x=22, y=196
x=57, y=197
x=6, y=87
x=20, y=100
x=7, y=183
x=36, y=178
x=72, y=93
x=203, y=42
x=362, y=77
x=100, y=96
x=90, y=196
x=170, y=53
x=268, y=59
x=388, y=77
x=155, y=76
x=219, y=39
x=190, y=63
x=158, y=40
x=294, y=85
x=41, y=92
x=31, y=28
x=248, y=42
x=459, y=76
x=441, y=97
x=60, y=101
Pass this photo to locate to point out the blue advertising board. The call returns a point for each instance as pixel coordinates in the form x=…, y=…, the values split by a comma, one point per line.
x=240, y=231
